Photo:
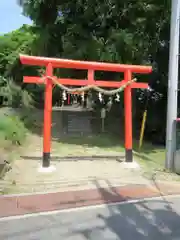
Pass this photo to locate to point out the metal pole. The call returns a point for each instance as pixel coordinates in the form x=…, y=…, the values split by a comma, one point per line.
x=172, y=83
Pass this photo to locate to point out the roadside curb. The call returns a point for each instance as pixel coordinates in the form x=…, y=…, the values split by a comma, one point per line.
x=27, y=204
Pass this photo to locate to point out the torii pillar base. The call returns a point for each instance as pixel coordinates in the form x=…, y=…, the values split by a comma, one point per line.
x=131, y=165
x=49, y=169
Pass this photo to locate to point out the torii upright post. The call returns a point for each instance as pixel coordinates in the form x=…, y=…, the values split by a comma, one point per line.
x=47, y=116
x=91, y=67
x=128, y=117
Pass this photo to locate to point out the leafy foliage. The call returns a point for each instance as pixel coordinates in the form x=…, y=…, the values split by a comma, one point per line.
x=13, y=95
x=135, y=32
x=12, y=129
x=11, y=45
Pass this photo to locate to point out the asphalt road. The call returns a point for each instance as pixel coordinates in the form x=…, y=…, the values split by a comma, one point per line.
x=158, y=219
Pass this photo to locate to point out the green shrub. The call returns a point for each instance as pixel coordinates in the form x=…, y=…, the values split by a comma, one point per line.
x=27, y=118
x=26, y=100
x=13, y=94
x=12, y=129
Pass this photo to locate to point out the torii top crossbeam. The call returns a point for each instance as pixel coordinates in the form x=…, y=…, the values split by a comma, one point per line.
x=91, y=67
x=98, y=66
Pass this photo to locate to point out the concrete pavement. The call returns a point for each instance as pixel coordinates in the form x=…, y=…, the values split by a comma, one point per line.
x=156, y=219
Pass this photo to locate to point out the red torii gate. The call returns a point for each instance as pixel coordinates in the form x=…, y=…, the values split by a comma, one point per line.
x=91, y=67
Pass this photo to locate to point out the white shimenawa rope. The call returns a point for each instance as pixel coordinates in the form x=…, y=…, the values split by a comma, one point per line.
x=88, y=87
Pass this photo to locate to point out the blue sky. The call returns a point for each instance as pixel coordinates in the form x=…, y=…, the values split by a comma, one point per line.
x=11, y=16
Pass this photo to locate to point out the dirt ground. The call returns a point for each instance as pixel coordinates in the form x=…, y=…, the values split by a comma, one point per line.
x=81, y=163
x=76, y=167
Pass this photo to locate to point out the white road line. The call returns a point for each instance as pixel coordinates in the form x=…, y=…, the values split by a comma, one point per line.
x=86, y=208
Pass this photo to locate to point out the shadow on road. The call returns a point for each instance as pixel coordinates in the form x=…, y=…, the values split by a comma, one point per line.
x=133, y=221
x=147, y=220
x=138, y=221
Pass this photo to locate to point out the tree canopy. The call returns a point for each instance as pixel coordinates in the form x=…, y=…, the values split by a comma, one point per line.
x=121, y=31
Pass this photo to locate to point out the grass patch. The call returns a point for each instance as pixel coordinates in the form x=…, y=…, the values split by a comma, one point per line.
x=12, y=130
x=151, y=158
x=12, y=136
x=91, y=145
x=98, y=140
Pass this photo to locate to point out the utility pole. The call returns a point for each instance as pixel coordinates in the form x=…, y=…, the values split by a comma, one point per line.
x=172, y=83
